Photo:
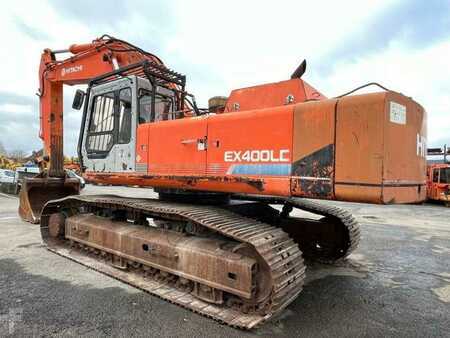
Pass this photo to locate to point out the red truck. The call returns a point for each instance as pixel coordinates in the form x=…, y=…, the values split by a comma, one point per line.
x=438, y=177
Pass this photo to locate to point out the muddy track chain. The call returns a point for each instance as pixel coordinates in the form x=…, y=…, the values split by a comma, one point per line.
x=345, y=218
x=275, y=247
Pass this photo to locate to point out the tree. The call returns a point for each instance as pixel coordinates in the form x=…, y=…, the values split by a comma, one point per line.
x=17, y=154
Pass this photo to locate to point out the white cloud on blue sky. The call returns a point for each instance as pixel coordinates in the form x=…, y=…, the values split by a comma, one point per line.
x=221, y=45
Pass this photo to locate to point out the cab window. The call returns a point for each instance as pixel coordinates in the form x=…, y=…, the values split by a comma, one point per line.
x=110, y=122
x=145, y=107
x=101, y=125
x=444, y=175
x=436, y=175
x=163, y=107
x=124, y=116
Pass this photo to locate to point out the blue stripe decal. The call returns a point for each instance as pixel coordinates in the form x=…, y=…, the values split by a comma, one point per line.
x=262, y=169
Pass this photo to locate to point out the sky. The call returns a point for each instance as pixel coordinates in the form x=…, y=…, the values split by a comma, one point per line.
x=221, y=45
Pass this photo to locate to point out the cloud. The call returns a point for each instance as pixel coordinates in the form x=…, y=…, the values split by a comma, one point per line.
x=243, y=43
x=225, y=45
x=405, y=71
x=18, y=121
x=93, y=13
x=16, y=135
x=15, y=108
x=412, y=24
x=32, y=32
x=16, y=99
x=144, y=23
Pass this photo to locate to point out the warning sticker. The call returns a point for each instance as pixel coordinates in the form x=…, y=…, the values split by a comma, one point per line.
x=398, y=113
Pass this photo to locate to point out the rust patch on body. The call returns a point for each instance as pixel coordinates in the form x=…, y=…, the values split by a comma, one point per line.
x=312, y=174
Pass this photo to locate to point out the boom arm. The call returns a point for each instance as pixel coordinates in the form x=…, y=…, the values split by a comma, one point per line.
x=88, y=61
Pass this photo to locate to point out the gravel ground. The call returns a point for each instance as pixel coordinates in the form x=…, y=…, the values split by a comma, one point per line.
x=397, y=283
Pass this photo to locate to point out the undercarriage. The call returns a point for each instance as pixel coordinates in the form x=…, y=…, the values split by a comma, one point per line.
x=239, y=263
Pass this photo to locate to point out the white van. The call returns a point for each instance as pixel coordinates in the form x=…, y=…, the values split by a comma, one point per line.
x=21, y=173
x=6, y=176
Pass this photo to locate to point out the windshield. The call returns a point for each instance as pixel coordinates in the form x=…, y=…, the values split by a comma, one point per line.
x=444, y=175
x=26, y=174
x=9, y=173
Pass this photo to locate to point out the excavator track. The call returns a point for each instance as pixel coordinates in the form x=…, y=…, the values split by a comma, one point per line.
x=328, y=240
x=274, y=235
x=344, y=235
x=278, y=255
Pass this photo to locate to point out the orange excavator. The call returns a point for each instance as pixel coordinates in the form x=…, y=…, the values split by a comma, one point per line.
x=222, y=238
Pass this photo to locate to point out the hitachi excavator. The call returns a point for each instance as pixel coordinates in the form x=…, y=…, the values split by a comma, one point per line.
x=221, y=239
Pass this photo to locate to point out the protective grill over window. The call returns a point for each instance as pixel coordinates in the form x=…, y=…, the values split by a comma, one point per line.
x=101, y=127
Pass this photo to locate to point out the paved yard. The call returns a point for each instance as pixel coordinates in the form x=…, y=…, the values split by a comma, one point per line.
x=397, y=283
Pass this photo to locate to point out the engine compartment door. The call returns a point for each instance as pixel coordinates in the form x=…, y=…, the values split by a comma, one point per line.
x=178, y=147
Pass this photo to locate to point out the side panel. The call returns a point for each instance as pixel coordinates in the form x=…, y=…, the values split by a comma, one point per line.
x=359, y=148
x=266, y=95
x=177, y=147
x=405, y=134
x=142, y=137
x=380, y=149
x=253, y=144
x=313, y=149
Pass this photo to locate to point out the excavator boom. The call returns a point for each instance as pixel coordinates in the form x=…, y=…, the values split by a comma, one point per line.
x=86, y=61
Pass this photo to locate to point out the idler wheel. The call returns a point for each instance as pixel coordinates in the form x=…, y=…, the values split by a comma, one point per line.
x=56, y=224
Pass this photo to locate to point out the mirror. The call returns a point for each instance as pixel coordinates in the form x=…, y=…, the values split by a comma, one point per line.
x=78, y=99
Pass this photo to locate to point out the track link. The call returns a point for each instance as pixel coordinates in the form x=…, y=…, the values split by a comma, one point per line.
x=279, y=255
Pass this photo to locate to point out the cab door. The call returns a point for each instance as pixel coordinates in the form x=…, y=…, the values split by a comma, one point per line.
x=124, y=149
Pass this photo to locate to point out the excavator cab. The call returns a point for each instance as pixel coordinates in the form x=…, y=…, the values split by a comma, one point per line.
x=114, y=111
x=115, y=105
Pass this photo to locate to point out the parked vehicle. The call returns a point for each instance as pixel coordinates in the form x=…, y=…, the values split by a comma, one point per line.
x=21, y=173
x=438, y=176
x=6, y=176
x=7, y=181
x=27, y=172
x=438, y=183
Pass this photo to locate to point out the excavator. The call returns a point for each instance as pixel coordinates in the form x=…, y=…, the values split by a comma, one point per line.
x=224, y=238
